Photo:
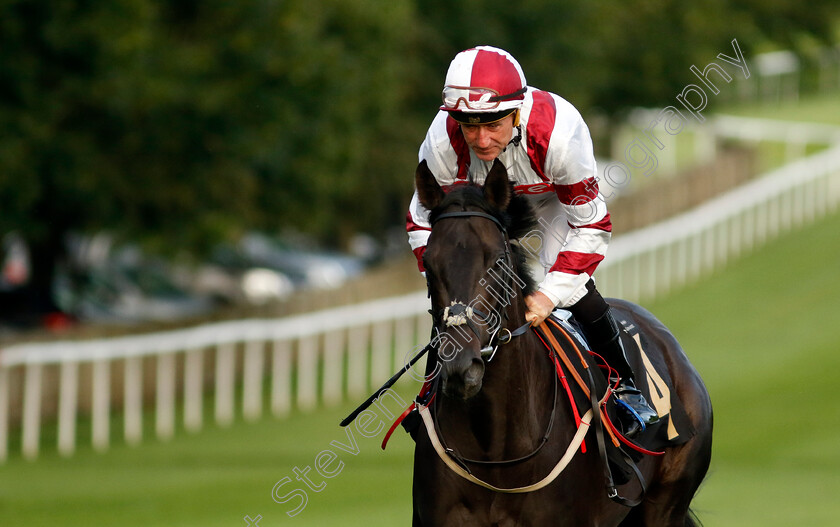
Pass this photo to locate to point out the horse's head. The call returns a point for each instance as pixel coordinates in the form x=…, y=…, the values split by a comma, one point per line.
x=471, y=269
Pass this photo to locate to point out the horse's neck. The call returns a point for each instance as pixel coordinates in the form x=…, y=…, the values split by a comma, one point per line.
x=519, y=386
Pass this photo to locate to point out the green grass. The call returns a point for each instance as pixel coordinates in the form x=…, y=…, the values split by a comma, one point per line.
x=215, y=477
x=765, y=335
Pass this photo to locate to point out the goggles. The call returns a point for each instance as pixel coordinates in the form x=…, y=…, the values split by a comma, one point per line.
x=475, y=98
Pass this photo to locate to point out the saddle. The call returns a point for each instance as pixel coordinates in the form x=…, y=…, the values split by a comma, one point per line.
x=652, y=378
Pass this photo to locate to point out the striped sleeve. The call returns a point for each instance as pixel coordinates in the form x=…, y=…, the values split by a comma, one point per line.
x=570, y=163
x=447, y=156
x=418, y=228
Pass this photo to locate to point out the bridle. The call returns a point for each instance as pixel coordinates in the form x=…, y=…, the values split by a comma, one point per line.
x=458, y=313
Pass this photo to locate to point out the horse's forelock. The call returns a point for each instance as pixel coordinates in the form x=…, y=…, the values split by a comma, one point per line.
x=518, y=219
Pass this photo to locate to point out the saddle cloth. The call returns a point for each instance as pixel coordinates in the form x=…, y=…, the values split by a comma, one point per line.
x=652, y=378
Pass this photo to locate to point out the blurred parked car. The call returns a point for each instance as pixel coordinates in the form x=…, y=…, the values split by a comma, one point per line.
x=99, y=282
x=124, y=286
x=302, y=267
x=307, y=268
x=241, y=283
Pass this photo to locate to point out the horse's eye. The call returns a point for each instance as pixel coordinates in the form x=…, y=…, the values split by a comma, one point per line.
x=495, y=258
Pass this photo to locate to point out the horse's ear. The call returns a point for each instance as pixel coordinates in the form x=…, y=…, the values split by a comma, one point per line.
x=428, y=189
x=497, y=187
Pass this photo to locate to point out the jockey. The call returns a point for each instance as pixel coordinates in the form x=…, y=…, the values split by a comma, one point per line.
x=488, y=113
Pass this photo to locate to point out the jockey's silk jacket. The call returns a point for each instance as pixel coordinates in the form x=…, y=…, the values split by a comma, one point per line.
x=554, y=166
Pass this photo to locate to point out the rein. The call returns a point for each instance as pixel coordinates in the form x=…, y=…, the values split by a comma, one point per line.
x=462, y=461
x=457, y=314
x=458, y=469
x=458, y=464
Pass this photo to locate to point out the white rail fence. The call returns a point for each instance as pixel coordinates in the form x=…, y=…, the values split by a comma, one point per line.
x=322, y=358
x=651, y=261
x=319, y=357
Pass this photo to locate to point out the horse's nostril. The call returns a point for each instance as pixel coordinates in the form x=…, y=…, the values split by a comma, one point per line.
x=474, y=373
x=464, y=383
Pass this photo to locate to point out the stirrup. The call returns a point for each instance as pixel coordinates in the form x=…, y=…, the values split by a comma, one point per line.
x=633, y=405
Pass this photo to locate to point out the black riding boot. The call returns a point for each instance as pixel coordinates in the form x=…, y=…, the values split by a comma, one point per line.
x=634, y=411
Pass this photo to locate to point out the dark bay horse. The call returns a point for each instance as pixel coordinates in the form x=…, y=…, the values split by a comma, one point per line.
x=497, y=413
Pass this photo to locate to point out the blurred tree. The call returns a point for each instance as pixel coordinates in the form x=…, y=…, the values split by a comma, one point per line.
x=615, y=55
x=180, y=123
x=551, y=39
x=647, y=46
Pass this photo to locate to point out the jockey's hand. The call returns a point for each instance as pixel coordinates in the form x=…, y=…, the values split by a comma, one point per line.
x=539, y=307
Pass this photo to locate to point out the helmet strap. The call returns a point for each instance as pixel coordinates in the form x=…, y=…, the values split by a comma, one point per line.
x=518, y=139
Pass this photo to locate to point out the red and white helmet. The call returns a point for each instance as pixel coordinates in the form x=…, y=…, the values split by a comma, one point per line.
x=483, y=84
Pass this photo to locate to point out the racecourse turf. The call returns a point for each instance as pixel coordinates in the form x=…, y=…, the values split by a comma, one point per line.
x=764, y=333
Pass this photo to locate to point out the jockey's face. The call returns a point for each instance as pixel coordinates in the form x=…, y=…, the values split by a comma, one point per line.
x=489, y=140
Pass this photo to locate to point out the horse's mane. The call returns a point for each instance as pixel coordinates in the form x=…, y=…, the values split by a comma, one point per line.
x=518, y=220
